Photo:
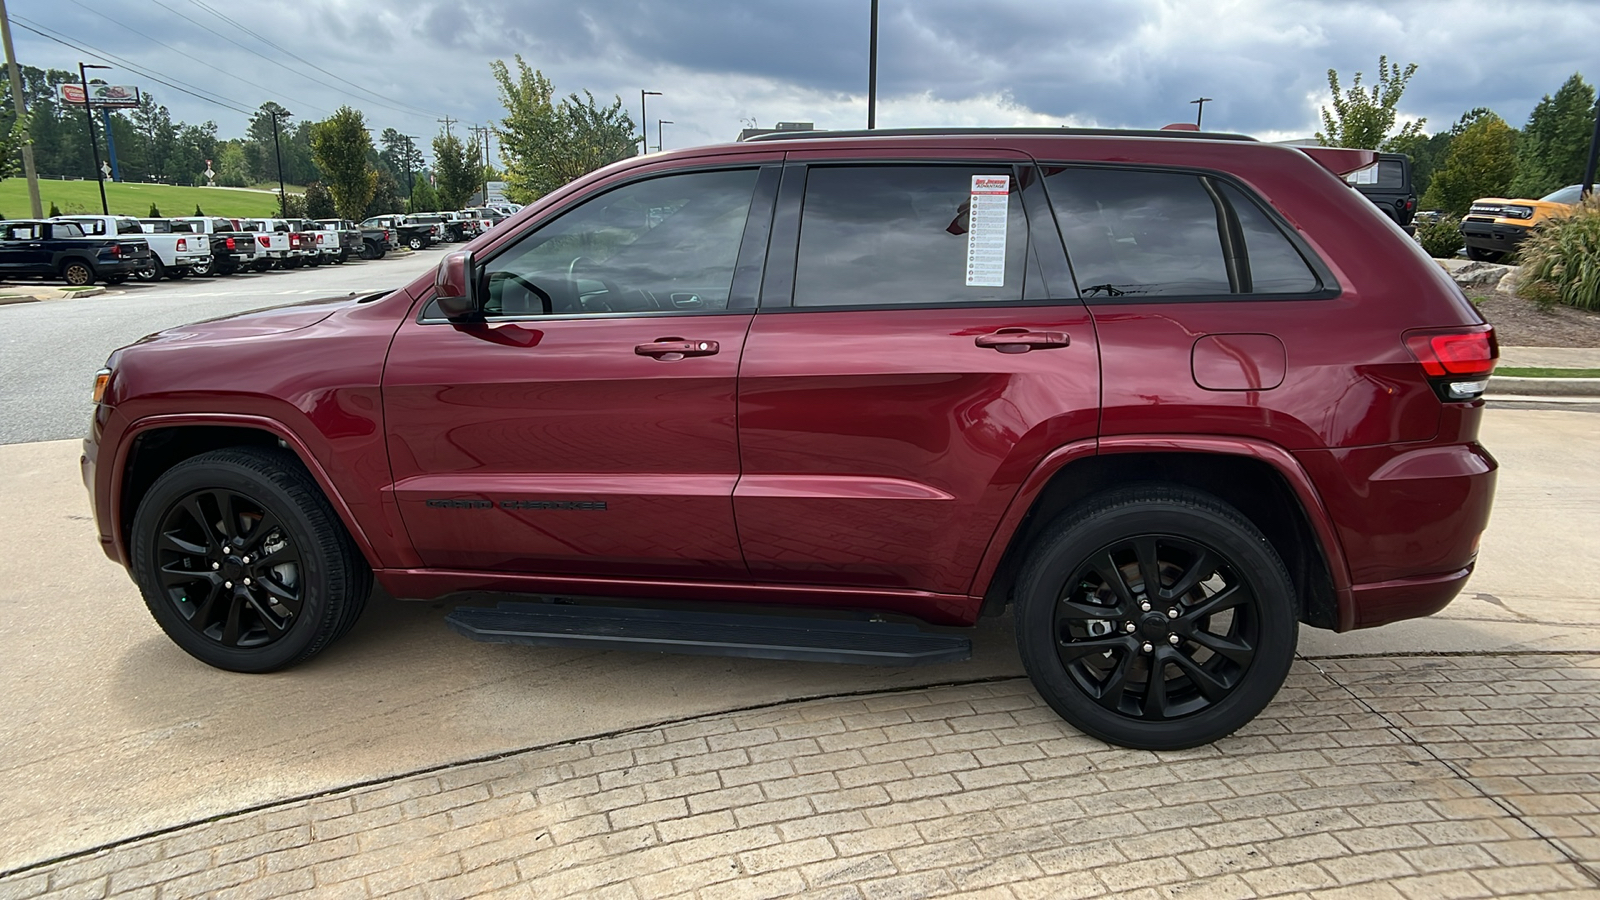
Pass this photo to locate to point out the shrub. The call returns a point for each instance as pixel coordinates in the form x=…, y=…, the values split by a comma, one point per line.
x=198, y=211
x=54, y=210
x=1440, y=238
x=154, y=213
x=1561, y=259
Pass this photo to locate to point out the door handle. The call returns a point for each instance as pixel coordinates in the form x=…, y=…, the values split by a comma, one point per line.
x=1021, y=340
x=671, y=348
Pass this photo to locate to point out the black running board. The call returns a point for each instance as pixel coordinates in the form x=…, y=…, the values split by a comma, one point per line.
x=709, y=634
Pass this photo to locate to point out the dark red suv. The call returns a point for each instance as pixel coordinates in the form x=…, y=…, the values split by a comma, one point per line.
x=1166, y=395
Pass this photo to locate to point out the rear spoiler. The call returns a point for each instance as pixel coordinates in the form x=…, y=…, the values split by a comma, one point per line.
x=1341, y=161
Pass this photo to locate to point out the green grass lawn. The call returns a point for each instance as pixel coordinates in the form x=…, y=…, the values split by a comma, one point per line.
x=1538, y=372
x=134, y=199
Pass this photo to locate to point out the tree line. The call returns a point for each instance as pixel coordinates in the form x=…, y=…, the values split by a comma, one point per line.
x=1479, y=155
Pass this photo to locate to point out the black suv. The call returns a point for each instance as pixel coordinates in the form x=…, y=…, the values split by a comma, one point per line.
x=1388, y=185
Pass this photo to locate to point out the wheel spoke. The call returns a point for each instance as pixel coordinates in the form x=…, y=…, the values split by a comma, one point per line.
x=1070, y=610
x=1208, y=684
x=1155, y=692
x=1229, y=597
x=1071, y=651
x=182, y=546
x=191, y=505
x=230, y=629
x=269, y=619
x=1104, y=566
x=230, y=524
x=202, y=612
x=1149, y=567
x=1203, y=566
x=1231, y=648
x=1116, y=684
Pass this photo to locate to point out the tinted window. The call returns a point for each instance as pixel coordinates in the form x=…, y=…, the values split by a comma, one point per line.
x=1391, y=174
x=66, y=230
x=666, y=244
x=128, y=226
x=874, y=235
x=1275, y=266
x=1138, y=234
x=1568, y=194
x=91, y=226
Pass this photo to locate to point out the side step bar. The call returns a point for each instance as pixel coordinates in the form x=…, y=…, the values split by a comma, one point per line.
x=709, y=634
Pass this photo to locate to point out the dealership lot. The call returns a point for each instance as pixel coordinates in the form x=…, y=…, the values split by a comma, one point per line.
x=410, y=756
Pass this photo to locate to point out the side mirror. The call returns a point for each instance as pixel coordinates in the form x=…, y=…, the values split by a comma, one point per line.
x=455, y=287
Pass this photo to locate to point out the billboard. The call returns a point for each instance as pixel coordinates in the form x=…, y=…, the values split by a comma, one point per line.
x=100, y=94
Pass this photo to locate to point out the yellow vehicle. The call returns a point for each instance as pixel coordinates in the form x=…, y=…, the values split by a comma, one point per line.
x=1494, y=226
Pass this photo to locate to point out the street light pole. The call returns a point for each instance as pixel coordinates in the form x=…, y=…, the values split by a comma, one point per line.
x=411, y=151
x=277, y=151
x=1200, y=109
x=872, y=72
x=1594, y=155
x=22, y=111
x=659, y=123
x=644, y=120
x=94, y=144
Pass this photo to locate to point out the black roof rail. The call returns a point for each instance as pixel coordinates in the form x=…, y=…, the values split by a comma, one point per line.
x=996, y=132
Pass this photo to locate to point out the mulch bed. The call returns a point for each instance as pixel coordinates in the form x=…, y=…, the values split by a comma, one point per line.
x=1522, y=323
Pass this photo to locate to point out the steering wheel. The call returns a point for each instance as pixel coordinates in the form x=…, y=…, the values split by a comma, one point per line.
x=613, y=290
x=530, y=287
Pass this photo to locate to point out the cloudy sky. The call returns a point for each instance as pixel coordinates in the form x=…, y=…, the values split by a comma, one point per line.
x=1110, y=63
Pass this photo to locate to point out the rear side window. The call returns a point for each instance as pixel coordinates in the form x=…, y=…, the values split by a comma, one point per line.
x=1133, y=234
x=881, y=235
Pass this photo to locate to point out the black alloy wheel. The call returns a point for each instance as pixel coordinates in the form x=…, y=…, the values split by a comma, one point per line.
x=243, y=563
x=1157, y=618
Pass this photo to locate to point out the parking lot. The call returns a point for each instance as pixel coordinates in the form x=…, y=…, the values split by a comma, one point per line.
x=1450, y=757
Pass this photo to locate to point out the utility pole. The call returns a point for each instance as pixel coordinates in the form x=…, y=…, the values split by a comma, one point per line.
x=659, y=123
x=410, y=152
x=644, y=120
x=277, y=150
x=447, y=121
x=1200, y=109
x=872, y=71
x=22, y=112
x=94, y=145
x=1594, y=155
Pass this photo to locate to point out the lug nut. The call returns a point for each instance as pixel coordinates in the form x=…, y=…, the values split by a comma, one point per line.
x=247, y=582
x=244, y=560
x=1148, y=647
x=1145, y=606
x=1173, y=639
x=227, y=584
x=1172, y=613
x=215, y=566
x=1130, y=628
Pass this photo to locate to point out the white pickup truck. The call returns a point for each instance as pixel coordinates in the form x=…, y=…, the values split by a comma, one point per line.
x=172, y=255
x=272, y=242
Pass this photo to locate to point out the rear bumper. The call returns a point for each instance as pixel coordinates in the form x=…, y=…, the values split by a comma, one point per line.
x=1493, y=236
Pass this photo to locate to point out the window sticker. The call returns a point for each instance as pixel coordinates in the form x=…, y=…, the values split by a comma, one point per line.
x=986, y=234
x=1369, y=175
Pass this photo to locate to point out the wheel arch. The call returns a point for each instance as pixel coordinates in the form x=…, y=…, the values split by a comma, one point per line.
x=154, y=445
x=1289, y=511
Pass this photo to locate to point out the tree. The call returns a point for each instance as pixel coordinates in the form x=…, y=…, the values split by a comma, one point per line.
x=1555, y=143
x=1362, y=117
x=340, y=145
x=1481, y=163
x=154, y=213
x=545, y=145
x=423, y=197
x=385, y=200
x=233, y=170
x=319, y=202
x=455, y=170
x=399, y=153
x=259, y=149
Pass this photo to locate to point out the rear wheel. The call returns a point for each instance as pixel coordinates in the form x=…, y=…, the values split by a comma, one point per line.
x=414, y=242
x=1156, y=617
x=116, y=279
x=77, y=273
x=1481, y=255
x=261, y=265
x=204, y=269
x=243, y=563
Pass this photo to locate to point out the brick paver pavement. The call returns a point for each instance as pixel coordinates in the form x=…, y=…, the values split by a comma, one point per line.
x=1414, y=778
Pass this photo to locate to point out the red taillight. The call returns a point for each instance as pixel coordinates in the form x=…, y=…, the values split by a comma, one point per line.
x=227, y=242
x=183, y=243
x=116, y=249
x=1455, y=352
x=294, y=240
x=262, y=239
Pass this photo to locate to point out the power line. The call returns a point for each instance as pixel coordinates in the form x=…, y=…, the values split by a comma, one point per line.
x=381, y=99
x=216, y=99
x=183, y=53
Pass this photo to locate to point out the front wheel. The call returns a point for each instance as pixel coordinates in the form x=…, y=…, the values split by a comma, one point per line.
x=243, y=563
x=1481, y=255
x=1156, y=618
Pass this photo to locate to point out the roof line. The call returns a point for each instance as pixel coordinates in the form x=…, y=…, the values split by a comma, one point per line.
x=933, y=132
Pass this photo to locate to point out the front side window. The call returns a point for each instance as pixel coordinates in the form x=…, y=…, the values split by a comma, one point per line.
x=912, y=235
x=91, y=226
x=661, y=245
x=22, y=232
x=1132, y=234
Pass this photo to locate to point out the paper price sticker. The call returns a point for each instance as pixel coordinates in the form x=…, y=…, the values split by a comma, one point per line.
x=986, y=231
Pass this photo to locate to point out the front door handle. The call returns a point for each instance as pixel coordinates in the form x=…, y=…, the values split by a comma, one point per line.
x=670, y=348
x=1021, y=340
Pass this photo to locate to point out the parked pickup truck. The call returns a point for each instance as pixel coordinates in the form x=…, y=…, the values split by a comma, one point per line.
x=416, y=237
x=171, y=255
x=231, y=249
x=341, y=234
x=54, y=249
x=437, y=231
x=273, y=245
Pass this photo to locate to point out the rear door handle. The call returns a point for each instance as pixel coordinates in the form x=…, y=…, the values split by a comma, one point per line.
x=1021, y=340
x=671, y=348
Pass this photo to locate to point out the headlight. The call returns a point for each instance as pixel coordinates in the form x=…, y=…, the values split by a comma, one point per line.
x=102, y=378
x=1518, y=212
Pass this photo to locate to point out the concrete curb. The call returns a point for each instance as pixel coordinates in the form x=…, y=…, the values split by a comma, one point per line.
x=31, y=293
x=1544, y=387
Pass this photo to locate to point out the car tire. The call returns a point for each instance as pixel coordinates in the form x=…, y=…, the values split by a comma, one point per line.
x=414, y=243
x=203, y=269
x=248, y=533
x=1480, y=255
x=177, y=272
x=77, y=273
x=261, y=265
x=116, y=279
x=1219, y=633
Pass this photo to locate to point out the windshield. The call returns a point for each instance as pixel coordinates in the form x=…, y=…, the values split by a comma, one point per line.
x=1568, y=194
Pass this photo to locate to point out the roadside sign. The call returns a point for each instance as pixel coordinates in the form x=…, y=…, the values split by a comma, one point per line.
x=114, y=95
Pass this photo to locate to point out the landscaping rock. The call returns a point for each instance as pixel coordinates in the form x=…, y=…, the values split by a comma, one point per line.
x=1509, y=281
x=1479, y=273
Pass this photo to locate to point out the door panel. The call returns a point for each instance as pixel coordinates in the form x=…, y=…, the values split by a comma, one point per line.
x=555, y=447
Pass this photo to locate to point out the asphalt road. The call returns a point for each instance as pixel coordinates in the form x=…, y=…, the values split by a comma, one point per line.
x=50, y=350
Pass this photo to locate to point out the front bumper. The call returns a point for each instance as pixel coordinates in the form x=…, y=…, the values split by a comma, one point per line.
x=1493, y=236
